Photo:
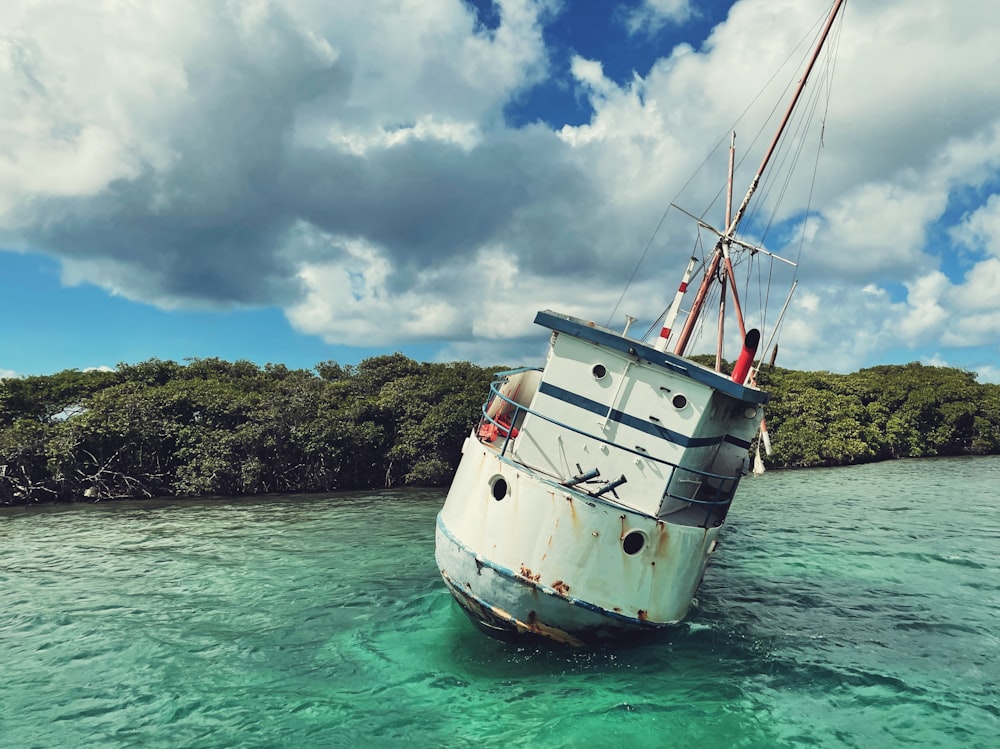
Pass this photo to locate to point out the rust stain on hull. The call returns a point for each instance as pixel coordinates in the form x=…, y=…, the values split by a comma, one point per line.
x=535, y=627
x=501, y=623
x=572, y=512
x=662, y=539
x=528, y=575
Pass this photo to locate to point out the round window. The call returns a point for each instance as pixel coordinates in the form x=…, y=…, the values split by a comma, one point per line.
x=599, y=371
x=633, y=542
x=498, y=487
x=680, y=400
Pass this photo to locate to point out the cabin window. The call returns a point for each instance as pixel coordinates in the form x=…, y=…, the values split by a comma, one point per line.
x=498, y=487
x=599, y=371
x=680, y=400
x=633, y=542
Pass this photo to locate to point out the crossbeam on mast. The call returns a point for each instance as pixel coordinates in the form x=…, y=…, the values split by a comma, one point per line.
x=739, y=243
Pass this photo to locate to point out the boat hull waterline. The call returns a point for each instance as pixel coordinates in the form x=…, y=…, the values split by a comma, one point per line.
x=587, y=504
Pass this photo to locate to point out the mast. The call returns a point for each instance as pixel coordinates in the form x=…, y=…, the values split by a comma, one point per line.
x=788, y=114
x=721, y=251
x=725, y=247
x=722, y=325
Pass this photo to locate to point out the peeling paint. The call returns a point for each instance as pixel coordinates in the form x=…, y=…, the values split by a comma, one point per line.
x=553, y=633
x=528, y=575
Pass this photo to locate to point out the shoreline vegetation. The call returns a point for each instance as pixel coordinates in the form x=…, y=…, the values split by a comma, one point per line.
x=212, y=428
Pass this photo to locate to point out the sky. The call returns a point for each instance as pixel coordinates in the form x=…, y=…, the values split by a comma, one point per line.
x=299, y=181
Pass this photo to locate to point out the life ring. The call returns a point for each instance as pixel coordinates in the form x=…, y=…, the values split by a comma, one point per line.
x=489, y=431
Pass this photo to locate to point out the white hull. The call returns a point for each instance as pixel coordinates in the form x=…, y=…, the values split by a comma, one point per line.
x=549, y=561
x=526, y=548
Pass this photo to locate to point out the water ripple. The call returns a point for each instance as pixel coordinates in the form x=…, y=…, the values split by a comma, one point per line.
x=837, y=613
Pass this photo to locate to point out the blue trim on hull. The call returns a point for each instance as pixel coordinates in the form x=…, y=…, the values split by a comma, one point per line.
x=655, y=430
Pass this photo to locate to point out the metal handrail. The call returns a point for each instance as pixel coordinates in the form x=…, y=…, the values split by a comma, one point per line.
x=518, y=409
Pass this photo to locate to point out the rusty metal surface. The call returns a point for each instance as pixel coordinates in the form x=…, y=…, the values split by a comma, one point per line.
x=552, y=566
x=584, y=525
x=501, y=624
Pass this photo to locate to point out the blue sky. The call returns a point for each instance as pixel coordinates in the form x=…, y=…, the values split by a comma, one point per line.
x=296, y=181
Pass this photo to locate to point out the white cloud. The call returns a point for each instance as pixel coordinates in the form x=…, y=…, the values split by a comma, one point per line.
x=463, y=134
x=351, y=163
x=836, y=328
x=925, y=314
x=877, y=227
x=978, y=329
x=981, y=288
x=652, y=15
x=980, y=231
x=988, y=373
x=348, y=301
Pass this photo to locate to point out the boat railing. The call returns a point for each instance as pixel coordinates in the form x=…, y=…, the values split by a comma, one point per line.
x=713, y=490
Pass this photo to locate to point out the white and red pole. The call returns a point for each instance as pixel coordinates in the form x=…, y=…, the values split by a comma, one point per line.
x=675, y=307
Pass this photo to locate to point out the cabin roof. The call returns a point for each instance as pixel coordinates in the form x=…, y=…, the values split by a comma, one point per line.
x=600, y=335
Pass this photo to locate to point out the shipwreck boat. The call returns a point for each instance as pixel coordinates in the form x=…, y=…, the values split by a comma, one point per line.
x=591, y=496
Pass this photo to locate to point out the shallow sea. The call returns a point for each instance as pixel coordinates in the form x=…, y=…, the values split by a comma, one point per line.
x=848, y=607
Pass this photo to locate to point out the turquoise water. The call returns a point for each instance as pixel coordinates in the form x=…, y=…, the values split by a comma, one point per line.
x=845, y=607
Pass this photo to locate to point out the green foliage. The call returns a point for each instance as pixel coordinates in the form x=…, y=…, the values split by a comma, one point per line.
x=45, y=398
x=217, y=428
x=819, y=418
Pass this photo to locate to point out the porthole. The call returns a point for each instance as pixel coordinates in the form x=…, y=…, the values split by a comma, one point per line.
x=633, y=542
x=680, y=400
x=498, y=487
x=599, y=371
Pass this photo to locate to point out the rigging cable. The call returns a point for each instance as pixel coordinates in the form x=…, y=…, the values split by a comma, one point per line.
x=828, y=88
x=745, y=152
x=715, y=148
